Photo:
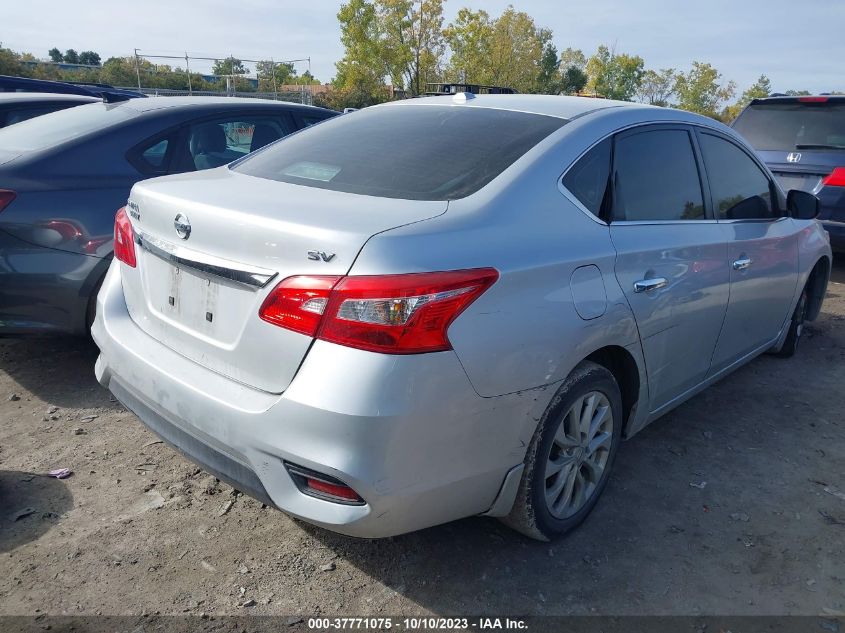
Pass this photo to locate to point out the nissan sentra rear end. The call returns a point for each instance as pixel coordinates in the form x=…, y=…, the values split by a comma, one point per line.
x=233, y=323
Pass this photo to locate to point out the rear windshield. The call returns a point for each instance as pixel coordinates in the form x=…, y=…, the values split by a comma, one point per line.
x=793, y=126
x=411, y=152
x=65, y=125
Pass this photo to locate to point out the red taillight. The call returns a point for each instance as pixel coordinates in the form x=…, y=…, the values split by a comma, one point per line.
x=6, y=197
x=333, y=490
x=812, y=99
x=836, y=178
x=394, y=314
x=124, y=238
x=298, y=303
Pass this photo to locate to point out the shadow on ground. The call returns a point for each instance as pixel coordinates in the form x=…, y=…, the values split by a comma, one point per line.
x=31, y=504
x=57, y=369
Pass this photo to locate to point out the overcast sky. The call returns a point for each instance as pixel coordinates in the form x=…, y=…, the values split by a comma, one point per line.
x=799, y=45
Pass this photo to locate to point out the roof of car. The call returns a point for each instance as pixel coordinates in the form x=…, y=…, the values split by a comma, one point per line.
x=24, y=97
x=158, y=103
x=780, y=98
x=550, y=105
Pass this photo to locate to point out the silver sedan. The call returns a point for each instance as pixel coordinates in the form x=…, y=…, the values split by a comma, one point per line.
x=446, y=307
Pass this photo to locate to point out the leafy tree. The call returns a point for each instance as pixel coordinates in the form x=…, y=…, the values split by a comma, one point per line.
x=361, y=71
x=573, y=64
x=411, y=41
x=284, y=73
x=549, y=79
x=469, y=38
x=758, y=90
x=658, y=86
x=614, y=76
x=700, y=91
x=573, y=58
x=70, y=56
x=229, y=66
x=55, y=55
x=798, y=93
x=90, y=58
x=506, y=51
x=10, y=62
x=573, y=80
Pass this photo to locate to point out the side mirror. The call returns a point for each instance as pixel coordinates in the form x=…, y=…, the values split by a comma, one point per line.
x=802, y=205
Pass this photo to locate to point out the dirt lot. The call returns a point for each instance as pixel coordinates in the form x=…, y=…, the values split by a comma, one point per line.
x=137, y=529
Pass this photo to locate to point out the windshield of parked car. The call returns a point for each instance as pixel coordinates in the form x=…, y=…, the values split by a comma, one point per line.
x=787, y=126
x=414, y=152
x=57, y=127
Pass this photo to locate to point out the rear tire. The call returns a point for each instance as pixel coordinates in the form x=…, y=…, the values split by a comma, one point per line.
x=570, y=457
x=796, y=327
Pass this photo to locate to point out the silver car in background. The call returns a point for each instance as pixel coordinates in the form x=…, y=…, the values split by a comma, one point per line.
x=451, y=306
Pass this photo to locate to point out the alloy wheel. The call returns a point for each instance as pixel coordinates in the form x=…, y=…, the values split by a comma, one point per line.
x=578, y=454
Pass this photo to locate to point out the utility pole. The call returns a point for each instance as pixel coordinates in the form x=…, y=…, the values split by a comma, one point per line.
x=137, y=69
x=188, y=70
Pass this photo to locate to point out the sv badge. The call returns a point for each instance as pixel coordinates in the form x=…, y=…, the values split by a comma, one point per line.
x=320, y=256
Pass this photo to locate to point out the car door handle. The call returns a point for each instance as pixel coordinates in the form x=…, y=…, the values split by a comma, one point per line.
x=644, y=285
x=742, y=263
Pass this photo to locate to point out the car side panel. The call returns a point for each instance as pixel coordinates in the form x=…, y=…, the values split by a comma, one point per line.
x=525, y=331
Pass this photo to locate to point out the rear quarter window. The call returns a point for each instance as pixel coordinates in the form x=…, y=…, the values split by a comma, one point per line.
x=414, y=152
x=59, y=127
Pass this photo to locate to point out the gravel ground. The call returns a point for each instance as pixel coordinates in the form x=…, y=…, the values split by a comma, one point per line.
x=734, y=504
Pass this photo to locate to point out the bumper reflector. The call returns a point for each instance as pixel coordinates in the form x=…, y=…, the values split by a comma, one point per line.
x=322, y=486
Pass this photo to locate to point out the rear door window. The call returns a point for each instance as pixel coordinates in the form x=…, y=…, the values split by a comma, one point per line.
x=415, y=152
x=217, y=142
x=740, y=189
x=656, y=177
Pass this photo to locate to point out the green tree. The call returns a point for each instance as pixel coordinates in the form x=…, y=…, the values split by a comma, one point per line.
x=469, y=38
x=229, y=66
x=411, y=42
x=284, y=73
x=700, y=90
x=517, y=49
x=506, y=51
x=10, y=62
x=90, y=58
x=549, y=79
x=658, y=86
x=573, y=80
x=759, y=89
x=798, y=93
x=55, y=55
x=573, y=58
x=361, y=70
x=573, y=75
x=614, y=76
x=70, y=56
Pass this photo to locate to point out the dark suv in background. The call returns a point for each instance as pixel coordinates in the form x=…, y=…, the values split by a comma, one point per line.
x=802, y=140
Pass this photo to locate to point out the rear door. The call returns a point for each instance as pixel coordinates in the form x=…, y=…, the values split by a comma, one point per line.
x=672, y=255
x=762, y=248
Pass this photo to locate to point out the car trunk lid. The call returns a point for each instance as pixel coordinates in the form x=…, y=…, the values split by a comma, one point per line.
x=210, y=247
x=802, y=168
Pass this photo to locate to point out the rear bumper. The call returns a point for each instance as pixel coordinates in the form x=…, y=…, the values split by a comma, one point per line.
x=44, y=290
x=408, y=433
